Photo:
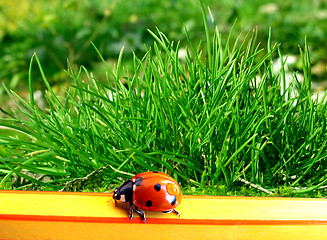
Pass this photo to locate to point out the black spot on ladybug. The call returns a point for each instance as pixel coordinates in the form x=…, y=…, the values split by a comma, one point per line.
x=148, y=203
x=155, y=171
x=157, y=187
x=138, y=181
x=173, y=201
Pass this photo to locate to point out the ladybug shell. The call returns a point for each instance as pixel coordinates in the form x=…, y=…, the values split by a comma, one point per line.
x=156, y=191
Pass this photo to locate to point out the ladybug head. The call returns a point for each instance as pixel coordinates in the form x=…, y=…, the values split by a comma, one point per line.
x=116, y=195
x=124, y=193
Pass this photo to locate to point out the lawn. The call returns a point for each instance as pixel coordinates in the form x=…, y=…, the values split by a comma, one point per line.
x=201, y=101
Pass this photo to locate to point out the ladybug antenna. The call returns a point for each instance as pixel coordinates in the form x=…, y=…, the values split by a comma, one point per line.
x=110, y=190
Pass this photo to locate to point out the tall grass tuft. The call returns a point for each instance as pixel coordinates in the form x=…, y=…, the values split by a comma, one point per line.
x=215, y=116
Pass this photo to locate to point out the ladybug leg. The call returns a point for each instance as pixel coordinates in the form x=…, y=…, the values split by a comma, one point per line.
x=168, y=211
x=139, y=211
x=172, y=210
x=131, y=216
x=176, y=212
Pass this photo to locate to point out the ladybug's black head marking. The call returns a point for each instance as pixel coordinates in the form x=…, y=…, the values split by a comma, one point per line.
x=124, y=193
x=116, y=195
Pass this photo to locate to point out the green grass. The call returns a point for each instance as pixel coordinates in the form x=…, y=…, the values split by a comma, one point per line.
x=61, y=29
x=206, y=120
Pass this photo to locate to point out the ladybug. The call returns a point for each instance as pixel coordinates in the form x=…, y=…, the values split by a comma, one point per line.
x=150, y=191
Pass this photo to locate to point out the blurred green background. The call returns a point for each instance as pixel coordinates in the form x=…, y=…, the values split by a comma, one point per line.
x=63, y=29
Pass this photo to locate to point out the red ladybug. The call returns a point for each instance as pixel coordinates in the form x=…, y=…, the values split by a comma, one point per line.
x=151, y=191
